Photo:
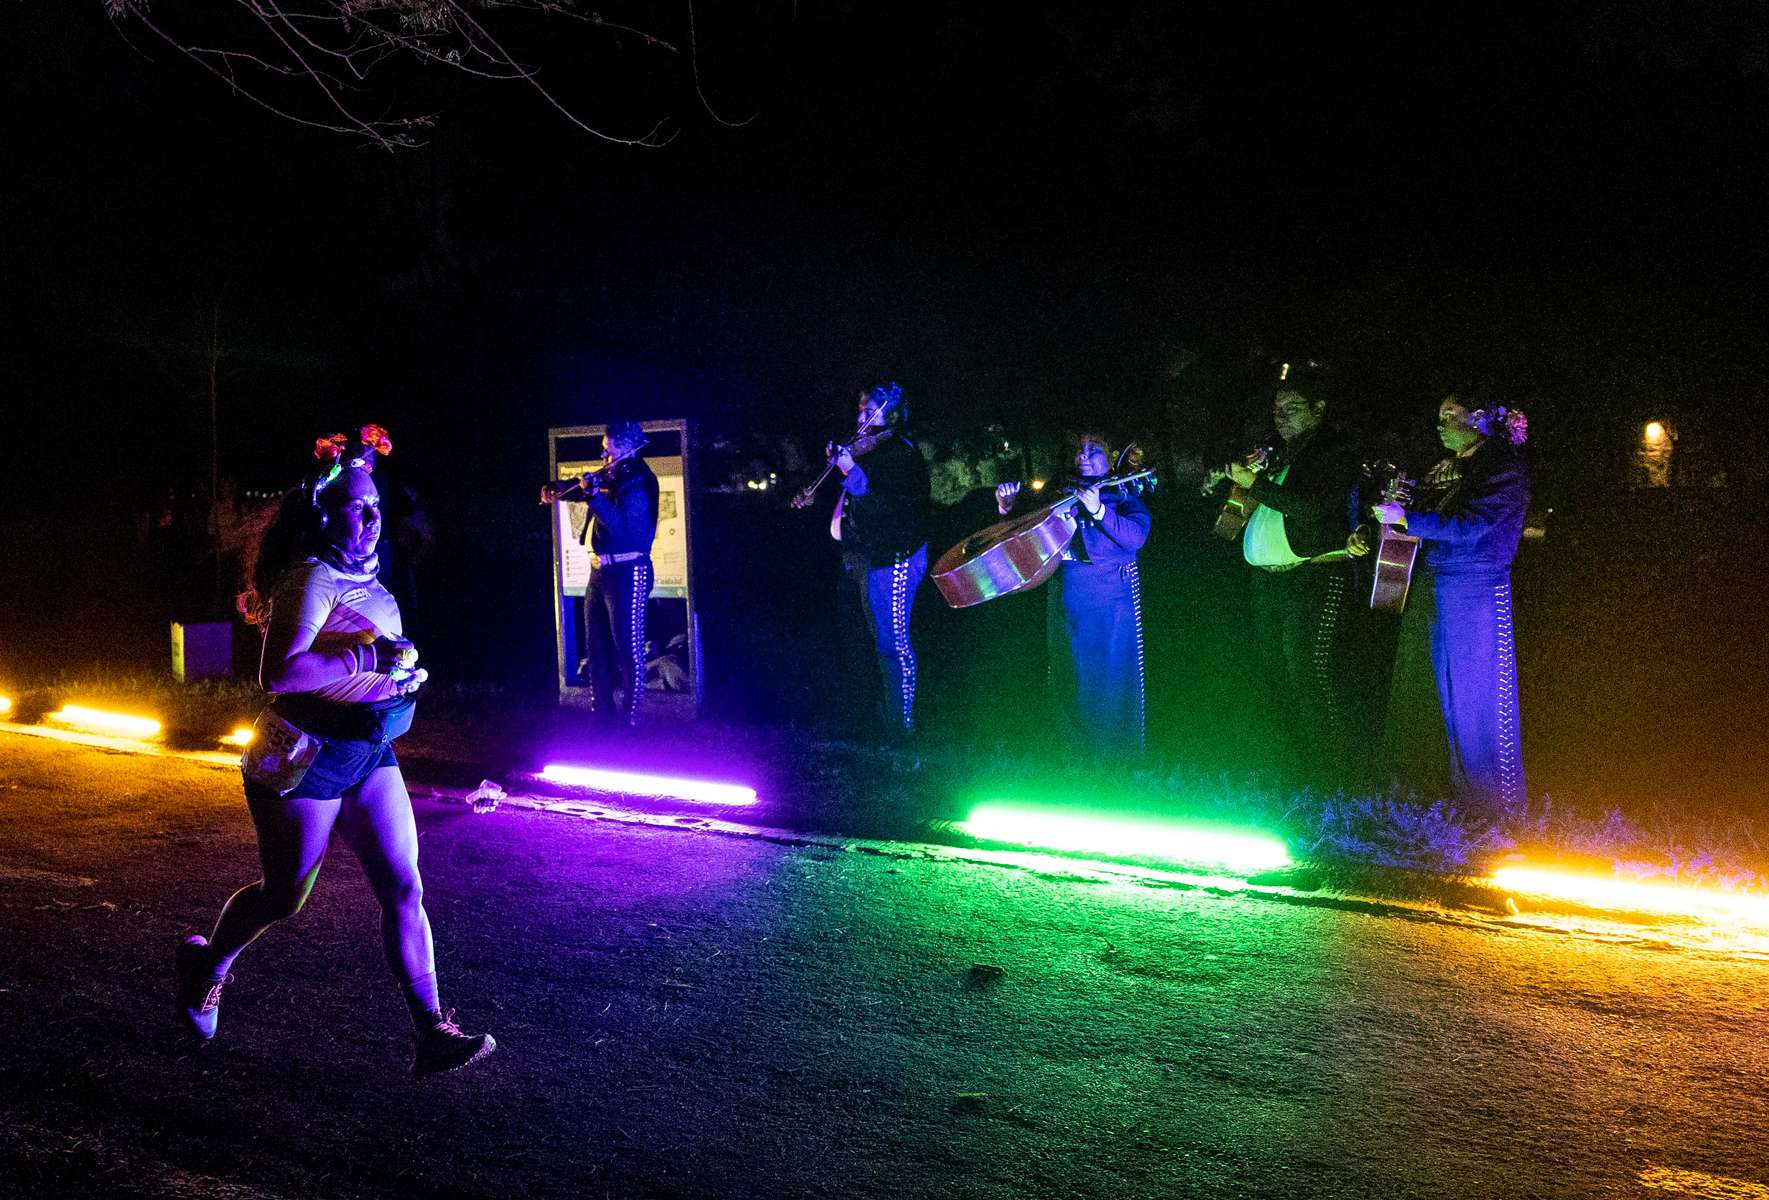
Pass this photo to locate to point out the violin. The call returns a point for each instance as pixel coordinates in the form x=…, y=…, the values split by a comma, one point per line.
x=872, y=432
x=580, y=489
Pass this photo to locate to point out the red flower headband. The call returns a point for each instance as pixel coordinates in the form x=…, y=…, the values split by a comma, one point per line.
x=376, y=439
x=330, y=451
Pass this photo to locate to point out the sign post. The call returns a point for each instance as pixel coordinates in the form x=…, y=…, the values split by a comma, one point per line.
x=673, y=680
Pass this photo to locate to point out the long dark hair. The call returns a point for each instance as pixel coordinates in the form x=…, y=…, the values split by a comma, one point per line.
x=293, y=534
x=297, y=531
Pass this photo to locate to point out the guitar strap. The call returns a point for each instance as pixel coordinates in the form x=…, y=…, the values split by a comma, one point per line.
x=1330, y=556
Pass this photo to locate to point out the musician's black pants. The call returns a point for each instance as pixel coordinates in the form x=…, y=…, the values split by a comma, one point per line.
x=614, y=637
x=1300, y=626
x=887, y=599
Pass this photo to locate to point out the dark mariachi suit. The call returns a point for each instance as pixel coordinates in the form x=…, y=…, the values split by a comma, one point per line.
x=1095, y=624
x=624, y=524
x=884, y=558
x=1457, y=656
x=1301, y=611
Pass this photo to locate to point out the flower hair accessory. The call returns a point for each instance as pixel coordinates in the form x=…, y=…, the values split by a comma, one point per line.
x=1510, y=421
x=339, y=451
x=373, y=437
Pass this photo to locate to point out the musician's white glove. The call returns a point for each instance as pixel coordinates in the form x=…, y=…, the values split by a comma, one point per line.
x=1389, y=514
x=1005, y=493
x=1242, y=474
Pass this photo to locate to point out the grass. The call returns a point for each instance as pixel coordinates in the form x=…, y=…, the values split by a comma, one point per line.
x=819, y=783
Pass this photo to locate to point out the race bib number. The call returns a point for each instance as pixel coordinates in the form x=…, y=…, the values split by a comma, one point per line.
x=279, y=754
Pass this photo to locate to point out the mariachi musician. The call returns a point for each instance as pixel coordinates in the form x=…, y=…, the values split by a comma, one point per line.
x=622, y=495
x=1095, y=622
x=881, y=520
x=1295, y=541
x=1457, y=658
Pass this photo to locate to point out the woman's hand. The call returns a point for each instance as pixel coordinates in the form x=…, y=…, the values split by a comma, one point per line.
x=1090, y=501
x=393, y=654
x=1358, y=544
x=1242, y=474
x=1005, y=495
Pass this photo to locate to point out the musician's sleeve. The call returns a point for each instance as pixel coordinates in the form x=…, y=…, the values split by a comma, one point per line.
x=1127, y=524
x=1500, y=499
x=1320, y=491
x=855, y=482
x=629, y=512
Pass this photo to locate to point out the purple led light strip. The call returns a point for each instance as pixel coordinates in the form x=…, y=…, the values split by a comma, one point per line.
x=700, y=791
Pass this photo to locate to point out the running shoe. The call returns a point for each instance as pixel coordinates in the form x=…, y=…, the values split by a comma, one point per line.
x=443, y=1047
x=199, y=992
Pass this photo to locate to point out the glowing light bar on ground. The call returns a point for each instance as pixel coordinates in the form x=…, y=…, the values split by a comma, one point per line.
x=1130, y=837
x=1621, y=895
x=700, y=791
x=239, y=737
x=1700, y=1185
x=98, y=721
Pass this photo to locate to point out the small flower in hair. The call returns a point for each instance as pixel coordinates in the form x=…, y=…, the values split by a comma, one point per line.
x=1516, y=425
x=376, y=439
x=329, y=449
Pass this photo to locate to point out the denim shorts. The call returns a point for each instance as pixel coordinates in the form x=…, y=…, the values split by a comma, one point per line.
x=339, y=766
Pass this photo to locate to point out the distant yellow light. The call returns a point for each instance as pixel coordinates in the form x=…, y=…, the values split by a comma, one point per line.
x=100, y=721
x=1038, y=485
x=5, y=705
x=239, y=737
x=1655, y=432
x=1620, y=895
x=1283, y=372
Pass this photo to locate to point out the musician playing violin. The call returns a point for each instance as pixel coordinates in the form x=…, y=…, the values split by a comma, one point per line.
x=881, y=522
x=1295, y=542
x=1095, y=620
x=622, y=495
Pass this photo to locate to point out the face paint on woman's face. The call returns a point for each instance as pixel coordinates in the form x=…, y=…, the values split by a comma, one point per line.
x=353, y=507
x=1454, y=429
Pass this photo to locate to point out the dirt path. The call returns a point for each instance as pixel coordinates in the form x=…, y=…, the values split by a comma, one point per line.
x=689, y=1015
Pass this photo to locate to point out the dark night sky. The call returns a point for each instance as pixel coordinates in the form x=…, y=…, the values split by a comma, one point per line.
x=1024, y=217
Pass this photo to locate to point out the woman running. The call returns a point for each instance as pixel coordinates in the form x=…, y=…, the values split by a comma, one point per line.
x=342, y=681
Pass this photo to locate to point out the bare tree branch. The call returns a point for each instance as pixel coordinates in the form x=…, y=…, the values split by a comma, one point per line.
x=694, y=61
x=312, y=62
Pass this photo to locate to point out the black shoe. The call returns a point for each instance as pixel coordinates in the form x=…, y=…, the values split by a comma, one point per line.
x=443, y=1047
x=199, y=992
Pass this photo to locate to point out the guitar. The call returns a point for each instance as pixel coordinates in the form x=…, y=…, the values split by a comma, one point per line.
x=1239, y=506
x=1395, y=551
x=1019, y=553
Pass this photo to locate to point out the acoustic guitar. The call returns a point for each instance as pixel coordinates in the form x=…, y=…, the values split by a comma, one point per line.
x=1019, y=553
x=1395, y=551
x=1237, y=510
